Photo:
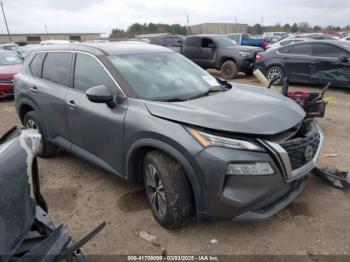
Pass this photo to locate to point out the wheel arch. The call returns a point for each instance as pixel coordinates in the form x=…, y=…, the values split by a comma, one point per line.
x=227, y=58
x=141, y=147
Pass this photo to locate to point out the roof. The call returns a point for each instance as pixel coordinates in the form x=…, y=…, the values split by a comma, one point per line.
x=108, y=48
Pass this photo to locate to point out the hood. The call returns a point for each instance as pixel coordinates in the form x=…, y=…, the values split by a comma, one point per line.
x=243, y=109
x=10, y=70
x=251, y=49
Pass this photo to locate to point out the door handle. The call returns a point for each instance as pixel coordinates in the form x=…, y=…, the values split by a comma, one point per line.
x=72, y=104
x=34, y=89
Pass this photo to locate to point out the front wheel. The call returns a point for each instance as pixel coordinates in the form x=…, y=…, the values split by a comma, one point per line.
x=167, y=189
x=229, y=70
x=275, y=71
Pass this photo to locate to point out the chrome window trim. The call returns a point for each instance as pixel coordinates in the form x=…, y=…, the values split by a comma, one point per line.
x=282, y=154
x=82, y=52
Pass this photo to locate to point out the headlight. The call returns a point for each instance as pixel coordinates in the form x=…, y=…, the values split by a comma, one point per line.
x=207, y=140
x=244, y=54
x=252, y=169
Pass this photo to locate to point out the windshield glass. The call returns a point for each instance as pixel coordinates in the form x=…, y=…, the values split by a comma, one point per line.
x=224, y=41
x=163, y=76
x=9, y=58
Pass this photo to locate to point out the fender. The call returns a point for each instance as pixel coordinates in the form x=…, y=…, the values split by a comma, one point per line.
x=165, y=147
x=27, y=101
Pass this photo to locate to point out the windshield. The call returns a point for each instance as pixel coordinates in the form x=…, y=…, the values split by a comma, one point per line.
x=224, y=41
x=9, y=58
x=163, y=76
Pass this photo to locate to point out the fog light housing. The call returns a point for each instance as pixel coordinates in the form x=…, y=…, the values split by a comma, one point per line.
x=250, y=169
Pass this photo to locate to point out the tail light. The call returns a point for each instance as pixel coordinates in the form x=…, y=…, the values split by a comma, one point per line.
x=259, y=57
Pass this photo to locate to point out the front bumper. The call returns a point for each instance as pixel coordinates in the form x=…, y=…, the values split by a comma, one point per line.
x=6, y=91
x=250, y=197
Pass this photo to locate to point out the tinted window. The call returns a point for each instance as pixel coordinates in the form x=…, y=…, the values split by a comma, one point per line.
x=323, y=50
x=302, y=49
x=206, y=42
x=56, y=68
x=37, y=64
x=173, y=41
x=289, y=42
x=284, y=50
x=89, y=73
x=193, y=41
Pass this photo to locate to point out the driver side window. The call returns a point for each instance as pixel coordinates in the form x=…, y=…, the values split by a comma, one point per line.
x=89, y=73
x=207, y=43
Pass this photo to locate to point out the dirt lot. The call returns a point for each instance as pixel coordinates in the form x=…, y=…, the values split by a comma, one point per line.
x=81, y=196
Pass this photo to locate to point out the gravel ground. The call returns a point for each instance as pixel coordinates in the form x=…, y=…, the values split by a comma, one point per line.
x=81, y=196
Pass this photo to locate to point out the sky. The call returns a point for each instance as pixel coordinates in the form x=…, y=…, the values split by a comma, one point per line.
x=68, y=16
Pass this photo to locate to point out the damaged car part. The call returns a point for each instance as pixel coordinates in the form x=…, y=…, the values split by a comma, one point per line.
x=27, y=233
x=334, y=176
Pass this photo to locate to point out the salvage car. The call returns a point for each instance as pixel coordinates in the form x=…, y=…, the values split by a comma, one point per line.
x=313, y=62
x=221, y=53
x=285, y=42
x=147, y=114
x=27, y=232
x=10, y=65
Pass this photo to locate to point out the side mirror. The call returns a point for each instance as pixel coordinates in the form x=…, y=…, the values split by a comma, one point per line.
x=100, y=94
x=344, y=59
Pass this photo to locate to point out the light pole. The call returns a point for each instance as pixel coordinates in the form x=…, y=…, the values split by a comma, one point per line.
x=47, y=34
x=8, y=31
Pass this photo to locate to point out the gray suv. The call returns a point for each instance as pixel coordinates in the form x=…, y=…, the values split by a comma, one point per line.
x=147, y=114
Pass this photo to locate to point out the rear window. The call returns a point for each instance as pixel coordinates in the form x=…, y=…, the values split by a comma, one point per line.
x=302, y=49
x=37, y=64
x=57, y=67
x=9, y=58
x=323, y=50
x=193, y=42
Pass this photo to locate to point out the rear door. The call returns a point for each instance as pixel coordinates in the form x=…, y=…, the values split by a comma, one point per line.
x=329, y=66
x=191, y=48
x=49, y=91
x=96, y=131
x=207, y=53
x=297, y=62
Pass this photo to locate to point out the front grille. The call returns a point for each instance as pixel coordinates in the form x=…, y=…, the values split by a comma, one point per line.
x=303, y=148
x=6, y=81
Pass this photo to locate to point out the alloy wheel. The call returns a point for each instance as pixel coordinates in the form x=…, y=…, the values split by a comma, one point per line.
x=275, y=72
x=155, y=189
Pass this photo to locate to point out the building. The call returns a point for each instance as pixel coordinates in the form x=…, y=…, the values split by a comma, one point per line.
x=218, y=28
x=37, y=38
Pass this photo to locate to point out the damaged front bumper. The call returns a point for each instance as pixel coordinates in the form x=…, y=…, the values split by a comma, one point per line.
x=248, y=197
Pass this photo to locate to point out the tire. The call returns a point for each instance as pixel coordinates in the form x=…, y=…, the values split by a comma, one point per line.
x=250, y=72
x=229, y=70
x=274, y=71
x=168, y=190
x=32, y=120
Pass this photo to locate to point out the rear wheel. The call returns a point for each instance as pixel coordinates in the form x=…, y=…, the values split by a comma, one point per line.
x=275, y=71
x=167, y=189
x=31, y=120
x=229, y=70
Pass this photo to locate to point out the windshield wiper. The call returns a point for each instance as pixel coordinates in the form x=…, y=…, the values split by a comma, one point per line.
x=210, y=91
x=175, y=99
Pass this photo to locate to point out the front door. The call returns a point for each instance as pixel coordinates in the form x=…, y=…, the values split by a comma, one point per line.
x=297, y=63
x=96, y=131
x=331, y=64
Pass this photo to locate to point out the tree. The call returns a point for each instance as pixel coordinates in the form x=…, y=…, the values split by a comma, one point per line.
x=304, y=27
x=294, y=28
x=286, y=28
x=256, y=29
x=316, y=28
